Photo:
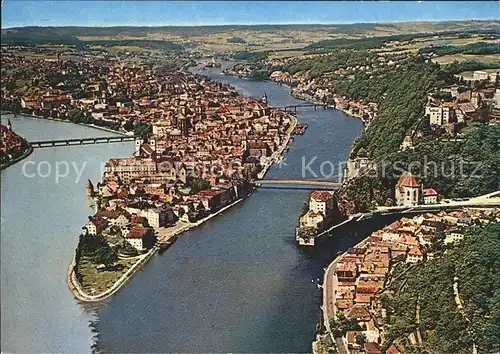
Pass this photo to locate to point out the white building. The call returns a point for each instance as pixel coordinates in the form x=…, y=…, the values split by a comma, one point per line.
x=130, y=168
x=95, y=226
x=121, y=221
x=407, y=143
x=408, y=190
x=453, y=237
x=430, y=196
x=414, y=255
x=480, y=75
x=355, y=166
x=321, y=202
x=312, y=219
x=439, y=115
x=140, y=237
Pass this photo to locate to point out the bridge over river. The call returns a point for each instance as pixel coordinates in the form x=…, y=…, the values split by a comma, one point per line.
x=303, y=184
x=80, y=141
x=490, y=200
x=294, y=107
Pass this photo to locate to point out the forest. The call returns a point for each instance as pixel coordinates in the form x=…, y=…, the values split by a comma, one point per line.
x=319, y=65
x=473, y=48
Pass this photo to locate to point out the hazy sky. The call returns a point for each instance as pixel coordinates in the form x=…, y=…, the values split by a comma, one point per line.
x=156, y=13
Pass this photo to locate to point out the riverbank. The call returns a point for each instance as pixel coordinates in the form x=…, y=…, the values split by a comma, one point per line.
x=279, y=153
x=79, y=293
x=25, y=154
x=189, y=226
x=337, y=106
x=308, y=98
x=66, y=121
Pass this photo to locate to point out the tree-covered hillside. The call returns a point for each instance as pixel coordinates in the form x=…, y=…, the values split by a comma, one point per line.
x=423, y=299
x=473, y=48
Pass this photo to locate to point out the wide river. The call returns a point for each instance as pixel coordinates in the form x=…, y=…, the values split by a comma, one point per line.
x=239, y=283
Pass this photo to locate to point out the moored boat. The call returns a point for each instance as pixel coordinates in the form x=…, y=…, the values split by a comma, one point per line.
x=166, y=245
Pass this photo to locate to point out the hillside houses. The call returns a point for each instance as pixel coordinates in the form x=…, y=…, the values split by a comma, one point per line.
x=363, y=272
x=463, y=103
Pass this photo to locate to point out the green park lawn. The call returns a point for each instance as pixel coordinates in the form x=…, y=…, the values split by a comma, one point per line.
x=96, y=282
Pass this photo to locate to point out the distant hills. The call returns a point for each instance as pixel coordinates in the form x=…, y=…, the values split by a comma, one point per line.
x=251, y=34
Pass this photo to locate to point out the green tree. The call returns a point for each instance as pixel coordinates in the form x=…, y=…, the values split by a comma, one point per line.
x=197, y=184
x=360, y=339
x=144, y=130
x=105, y=255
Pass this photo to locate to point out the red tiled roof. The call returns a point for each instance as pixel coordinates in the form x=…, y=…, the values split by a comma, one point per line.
x=372, y=348
x=393, y=350
x=321, y=195
x=415, y=251
x=430, y=192
x=137, y=232
x=360, y=313
x=408, y=180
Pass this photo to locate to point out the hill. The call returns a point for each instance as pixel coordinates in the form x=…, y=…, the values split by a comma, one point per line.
x=421, y=299
x=257, y=37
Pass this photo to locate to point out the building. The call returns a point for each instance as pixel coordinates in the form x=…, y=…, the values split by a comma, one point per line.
x=407, y=143
x=355, y=166
x=129, y=168
x=414, y=255
x=430, y=196
x=480, y=75
x=156, y=217
x=440, y=115
x=408, y=190
x=321, y=202
x=453, y=236
x=141, y=238
x=312, y=219
x=372, y=348
x=95, y=226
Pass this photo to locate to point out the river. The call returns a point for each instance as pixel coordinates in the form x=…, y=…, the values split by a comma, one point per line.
x=238, y=283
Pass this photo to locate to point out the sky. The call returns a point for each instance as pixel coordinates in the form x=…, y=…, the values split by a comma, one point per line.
x=17, y=13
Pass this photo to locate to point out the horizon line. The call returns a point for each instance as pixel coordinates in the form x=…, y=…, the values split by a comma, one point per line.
x=255, y=24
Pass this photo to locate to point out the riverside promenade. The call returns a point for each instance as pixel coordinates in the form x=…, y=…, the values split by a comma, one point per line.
x=164, y=235
x=330, y=287
x=80, y=295
x=278, y=153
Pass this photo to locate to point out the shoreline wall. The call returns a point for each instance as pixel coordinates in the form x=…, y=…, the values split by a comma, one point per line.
x=25, y=154
x=75, y=286
x=67, y=121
